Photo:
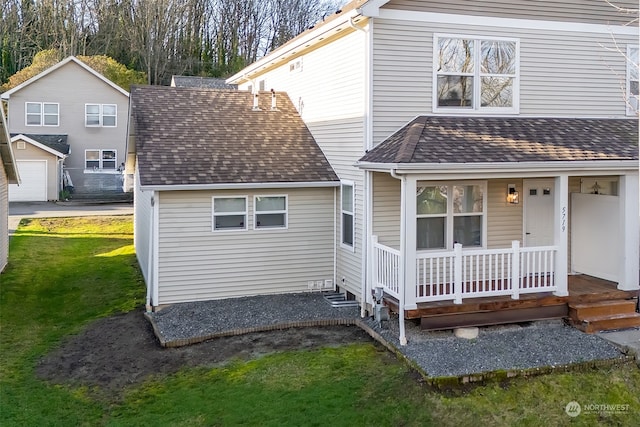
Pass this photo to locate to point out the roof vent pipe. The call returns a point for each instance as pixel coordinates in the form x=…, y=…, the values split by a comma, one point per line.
x=256, y=107
x=274, y=106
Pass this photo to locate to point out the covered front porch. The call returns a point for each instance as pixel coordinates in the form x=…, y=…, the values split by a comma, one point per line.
x=465, y=248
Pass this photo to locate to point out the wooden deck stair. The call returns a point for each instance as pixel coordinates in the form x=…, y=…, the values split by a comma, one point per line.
x=591, y=317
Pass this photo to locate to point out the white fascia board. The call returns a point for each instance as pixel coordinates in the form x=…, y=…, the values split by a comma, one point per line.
x=6, y=151
x=282, y=54
x=60, y=64
x=372, y=8
x=487, y=21
x=241, y=186
x=35, y=143
x=506, y=169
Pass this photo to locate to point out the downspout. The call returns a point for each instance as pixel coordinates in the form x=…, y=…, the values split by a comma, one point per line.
x=367, y=212
x=335, y=238
x=403, y=254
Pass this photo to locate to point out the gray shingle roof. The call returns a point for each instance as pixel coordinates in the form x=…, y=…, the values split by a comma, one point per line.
x=429, y=139
x=56, y=142
x=201, y=82
x=205, y=136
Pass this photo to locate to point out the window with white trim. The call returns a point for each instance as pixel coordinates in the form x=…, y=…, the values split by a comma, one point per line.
x=100, y=159
x=42, y=114
x=450, y=213
x=96, y=115
x=270, y=212
x=475, y=74
x=347, y=209
x=632, y=80
x=229, y=213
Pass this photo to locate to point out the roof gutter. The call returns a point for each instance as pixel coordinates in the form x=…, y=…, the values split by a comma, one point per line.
x=241, y=186
x=488, y=167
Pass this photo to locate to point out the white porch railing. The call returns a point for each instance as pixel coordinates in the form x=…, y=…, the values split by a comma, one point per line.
x=459, y=274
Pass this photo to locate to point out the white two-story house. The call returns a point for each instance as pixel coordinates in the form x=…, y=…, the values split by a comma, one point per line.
x=485, y=150
x=68, y=129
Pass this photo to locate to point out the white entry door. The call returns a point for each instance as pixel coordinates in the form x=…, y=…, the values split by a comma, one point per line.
x=538, y=212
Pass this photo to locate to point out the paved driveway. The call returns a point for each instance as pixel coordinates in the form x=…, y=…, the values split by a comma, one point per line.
x=19, y=210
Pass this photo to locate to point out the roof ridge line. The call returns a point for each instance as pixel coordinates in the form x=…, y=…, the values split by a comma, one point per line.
x=410, y=141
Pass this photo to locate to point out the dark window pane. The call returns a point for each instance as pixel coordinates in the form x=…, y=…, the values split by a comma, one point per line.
x=347, y=229
x=467, y=230
x=431, y=232
x=455, y=91
x=270, y=220
x=225, y=222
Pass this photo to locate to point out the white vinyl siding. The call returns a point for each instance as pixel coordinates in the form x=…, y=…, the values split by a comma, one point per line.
x=143, y=224
x=579, y=11
x=196, y=264
x=632, y=80
x=562, y=73
x=386, y=209
x=333, y=108
x=4, y=211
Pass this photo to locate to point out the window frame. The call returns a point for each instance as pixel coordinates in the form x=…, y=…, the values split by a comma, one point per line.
x=476, y=76
x=42, y=114
x=632, y=108
x=450, y=215
x=245, y=213
x=284, y=212
x=101, y=115
x=343, y=244
x=101, y=159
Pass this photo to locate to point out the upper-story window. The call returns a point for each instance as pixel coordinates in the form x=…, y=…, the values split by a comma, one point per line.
x=632, y=80
x=475, y=74
x=100, y=115
x=99, y=160
x=42, y=114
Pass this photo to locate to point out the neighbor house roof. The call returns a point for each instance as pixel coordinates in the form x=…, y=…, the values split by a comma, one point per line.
x=201, y=82
x=204, y=137
x=7, y=94
x=55, y=144
x=471, y=140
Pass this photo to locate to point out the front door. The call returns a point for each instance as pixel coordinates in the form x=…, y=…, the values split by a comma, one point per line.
x=538, y=212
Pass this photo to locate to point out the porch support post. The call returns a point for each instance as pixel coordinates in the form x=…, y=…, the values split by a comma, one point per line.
x=561, y=234
x=515, y=269
x=410, y=241
x=629, y=239
x=403, y=256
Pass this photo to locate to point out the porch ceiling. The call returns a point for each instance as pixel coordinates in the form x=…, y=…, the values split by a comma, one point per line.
x=504, y=140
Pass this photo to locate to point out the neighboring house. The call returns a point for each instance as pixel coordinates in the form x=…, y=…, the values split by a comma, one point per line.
x=200, y=82
x=41, y=160
x=68, y=100
x=8, y=175
x=232, y=195
x=485, y=149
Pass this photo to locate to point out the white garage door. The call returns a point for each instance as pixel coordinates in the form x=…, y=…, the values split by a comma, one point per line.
x=33, y=186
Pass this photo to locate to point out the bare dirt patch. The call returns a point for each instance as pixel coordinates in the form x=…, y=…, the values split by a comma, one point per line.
x=122, y=350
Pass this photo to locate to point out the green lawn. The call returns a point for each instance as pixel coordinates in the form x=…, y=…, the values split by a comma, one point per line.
x=65, y=273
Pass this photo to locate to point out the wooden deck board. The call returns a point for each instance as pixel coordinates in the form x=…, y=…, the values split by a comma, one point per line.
x=582, y=289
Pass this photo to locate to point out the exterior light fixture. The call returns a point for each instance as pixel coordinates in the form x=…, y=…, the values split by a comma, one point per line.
x=512, y=195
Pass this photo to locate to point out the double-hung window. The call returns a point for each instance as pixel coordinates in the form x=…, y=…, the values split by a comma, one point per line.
x=229, y=213
x=475, y=74
x=42, y=114
x=347, y=209
x=632, y=80
x=100, y=159
x=96, y=115
x=450, y=213
x=270, y=212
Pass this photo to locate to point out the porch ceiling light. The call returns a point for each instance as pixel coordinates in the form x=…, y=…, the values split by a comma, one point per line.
x=512, y=195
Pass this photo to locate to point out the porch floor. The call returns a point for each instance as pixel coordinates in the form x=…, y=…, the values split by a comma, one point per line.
x=582, y=289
